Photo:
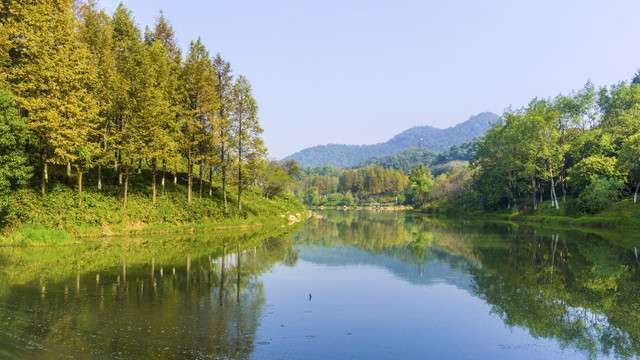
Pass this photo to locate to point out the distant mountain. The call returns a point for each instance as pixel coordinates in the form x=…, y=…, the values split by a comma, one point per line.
x=432, y=139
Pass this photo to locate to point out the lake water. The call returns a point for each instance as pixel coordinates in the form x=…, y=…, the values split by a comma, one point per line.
x=352, y=285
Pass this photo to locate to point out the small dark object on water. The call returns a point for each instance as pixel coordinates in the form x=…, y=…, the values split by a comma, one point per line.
x=309, y=296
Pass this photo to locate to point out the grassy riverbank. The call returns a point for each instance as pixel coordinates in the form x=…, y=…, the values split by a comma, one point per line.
x=622, y=215
x=63, y=216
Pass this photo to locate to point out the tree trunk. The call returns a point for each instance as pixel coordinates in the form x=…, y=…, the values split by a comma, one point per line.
x=120, y=168
x=533, y=188
x=46, y=172
x=69, y=173
x=224, y=173
x=210, y=181
x=563, y=181
x=554, y=197
x=189, y=174
x=635, y=196
x=175, y=178
x=99, y=177
x=239, y=186
x=43, y=170
x=201, y=176
x=164, y=171
x=140, y=166
x=126, y=187
x=153, y=182
x=80, y=185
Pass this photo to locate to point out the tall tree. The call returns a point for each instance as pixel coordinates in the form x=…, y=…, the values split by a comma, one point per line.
x=96, y=33
x=164, y=33
x=128, y=51
x=201, y=107
x=246, y=130
x=224, y=89
x=48, y=72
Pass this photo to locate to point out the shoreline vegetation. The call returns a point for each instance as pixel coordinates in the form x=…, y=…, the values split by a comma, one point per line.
x=64, y=217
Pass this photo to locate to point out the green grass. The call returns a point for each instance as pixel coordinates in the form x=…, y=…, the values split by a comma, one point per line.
x=63, y=215
x=33, y=235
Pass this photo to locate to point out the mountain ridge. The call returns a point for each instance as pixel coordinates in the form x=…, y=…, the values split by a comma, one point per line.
x=343, y=155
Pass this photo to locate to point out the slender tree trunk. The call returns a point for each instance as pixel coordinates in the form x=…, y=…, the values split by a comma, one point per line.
x=635, y=196
x=563, y=181
x=224, y=171
x=175, y=178
x=140, y=166
x=533, y=188
x=554, y=197
x=46, y=172
x=43, y=168
x=69, y=181
x=120, y=168
x=201, y=176
x=189, y=174
x=99, y=177
x=126, y=185
x=164, y=170
x=210, y=181
x=153, y=182
x=239, y=186
x=80, y=185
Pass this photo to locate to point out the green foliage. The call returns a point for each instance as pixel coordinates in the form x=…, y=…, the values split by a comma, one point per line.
x=420, y=185
x=599, y=195
x=585, y=172
x=406, y=160
x=15, y=171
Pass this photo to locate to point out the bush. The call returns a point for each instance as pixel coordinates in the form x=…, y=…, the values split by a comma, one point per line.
x=599, y=195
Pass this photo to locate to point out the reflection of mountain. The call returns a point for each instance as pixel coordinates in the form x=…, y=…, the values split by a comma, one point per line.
x=427, y=272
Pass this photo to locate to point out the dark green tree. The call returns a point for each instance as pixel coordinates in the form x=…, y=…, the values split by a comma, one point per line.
x=15, y=171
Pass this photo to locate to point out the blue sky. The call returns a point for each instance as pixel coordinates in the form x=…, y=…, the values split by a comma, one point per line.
x=359, y=72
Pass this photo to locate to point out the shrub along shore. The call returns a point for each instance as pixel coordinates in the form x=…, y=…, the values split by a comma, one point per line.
x=63, y=216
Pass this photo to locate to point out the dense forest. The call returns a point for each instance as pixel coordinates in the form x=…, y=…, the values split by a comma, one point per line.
x=578, y=152
x=88, y=98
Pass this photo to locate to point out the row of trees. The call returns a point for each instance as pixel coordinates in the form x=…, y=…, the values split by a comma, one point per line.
x=585, y=145
x=372, y=180
x=96, y=91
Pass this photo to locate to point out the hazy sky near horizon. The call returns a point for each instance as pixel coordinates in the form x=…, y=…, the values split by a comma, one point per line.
x=359, y=72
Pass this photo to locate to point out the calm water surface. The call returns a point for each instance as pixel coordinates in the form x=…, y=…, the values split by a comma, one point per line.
x=352, y=285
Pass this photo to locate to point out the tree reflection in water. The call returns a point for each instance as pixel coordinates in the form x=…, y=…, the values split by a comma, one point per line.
x=134, y=299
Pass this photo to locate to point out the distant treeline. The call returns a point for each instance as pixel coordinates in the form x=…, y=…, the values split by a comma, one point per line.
x=94, y=91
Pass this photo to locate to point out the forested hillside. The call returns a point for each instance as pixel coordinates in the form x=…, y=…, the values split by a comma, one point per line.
x=426, y=137
x=457, y=156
